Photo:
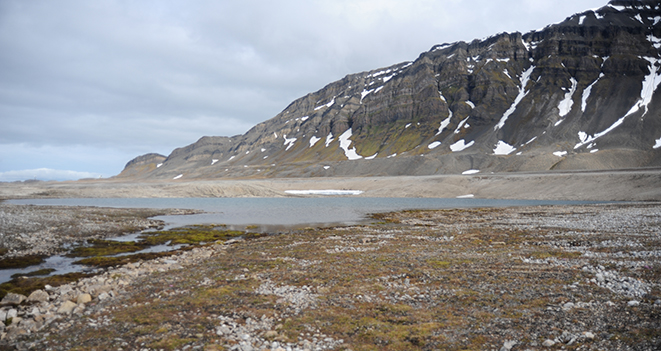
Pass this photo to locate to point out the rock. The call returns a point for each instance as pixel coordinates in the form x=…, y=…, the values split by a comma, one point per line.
x=568, y=306
x=12, y=313
x=600, y=277
x=548, y=343
x=16, y=332
x=97, y=290
x=79, y=309
x=633, y=303
x=103, y=296
x=588, y=335
x=12, y=299
x=34, y=312
x=66, y=307
x=507, y=346
x=270, y=334
x=38, y=296
x=83, y=298
x=223, y=330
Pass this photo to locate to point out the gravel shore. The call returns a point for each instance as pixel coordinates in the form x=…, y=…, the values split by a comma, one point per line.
x=46, y=230
x=529, y=278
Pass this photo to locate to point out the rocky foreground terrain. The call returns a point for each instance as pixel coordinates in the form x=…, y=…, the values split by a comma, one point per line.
x=45, y=230
x=531, y=278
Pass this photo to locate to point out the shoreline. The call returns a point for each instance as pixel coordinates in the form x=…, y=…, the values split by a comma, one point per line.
x=617, y=185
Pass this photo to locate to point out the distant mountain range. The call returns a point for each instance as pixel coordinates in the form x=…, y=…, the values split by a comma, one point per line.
x=580, y=94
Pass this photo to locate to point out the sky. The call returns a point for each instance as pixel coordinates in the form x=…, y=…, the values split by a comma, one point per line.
x=86, y=86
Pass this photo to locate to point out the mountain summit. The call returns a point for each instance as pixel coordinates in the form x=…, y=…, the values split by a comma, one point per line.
x=580, y=94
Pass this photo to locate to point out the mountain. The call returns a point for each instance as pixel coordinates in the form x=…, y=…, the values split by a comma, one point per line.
x=580, y=94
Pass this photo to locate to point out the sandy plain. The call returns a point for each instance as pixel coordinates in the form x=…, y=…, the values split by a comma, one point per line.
x=613, y=185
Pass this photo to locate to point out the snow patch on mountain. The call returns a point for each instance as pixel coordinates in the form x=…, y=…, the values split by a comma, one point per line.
x=461, y=145
x=565, y=105
x=313, y=140
x=289, y=142
x=460, y=125
x=650, y=84
x=657, y=144
x=503, y=148
x=351, y=154
x=587, y=92
x=525, y=78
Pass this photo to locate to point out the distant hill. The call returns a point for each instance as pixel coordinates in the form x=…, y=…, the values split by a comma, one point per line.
x=580, y=94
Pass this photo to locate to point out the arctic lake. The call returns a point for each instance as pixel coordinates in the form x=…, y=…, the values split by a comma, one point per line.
x=271, y=213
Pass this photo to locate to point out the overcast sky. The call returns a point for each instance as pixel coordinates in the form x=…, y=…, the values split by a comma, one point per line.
x=85, y=86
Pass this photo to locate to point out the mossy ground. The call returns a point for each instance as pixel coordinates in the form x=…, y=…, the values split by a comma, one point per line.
x=418, y=280
x=21, y=262
x=103, y=254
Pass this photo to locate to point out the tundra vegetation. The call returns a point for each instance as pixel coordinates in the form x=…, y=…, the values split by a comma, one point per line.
x=570, y=277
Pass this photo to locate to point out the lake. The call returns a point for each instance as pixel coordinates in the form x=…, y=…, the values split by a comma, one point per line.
x=267, y=214
x=286, y=212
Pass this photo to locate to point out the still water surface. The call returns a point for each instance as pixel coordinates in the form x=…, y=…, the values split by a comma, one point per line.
x=268, y=214
x=286, y=211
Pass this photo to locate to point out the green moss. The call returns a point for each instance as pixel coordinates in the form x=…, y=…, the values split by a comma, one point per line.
x=45, y=271
x=21, y=262
x=106, y=247
x=189, y=235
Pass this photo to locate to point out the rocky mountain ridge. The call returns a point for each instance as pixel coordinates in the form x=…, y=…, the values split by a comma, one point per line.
x=580, y=94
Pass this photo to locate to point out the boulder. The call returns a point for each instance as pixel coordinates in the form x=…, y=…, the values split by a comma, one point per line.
x=12, y=299
x=38, y=296
x=66, y=307
x=548, y=343
x=103, y=296
x=83, y=298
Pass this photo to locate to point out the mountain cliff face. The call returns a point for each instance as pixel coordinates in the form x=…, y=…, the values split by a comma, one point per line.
x=580, y=94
